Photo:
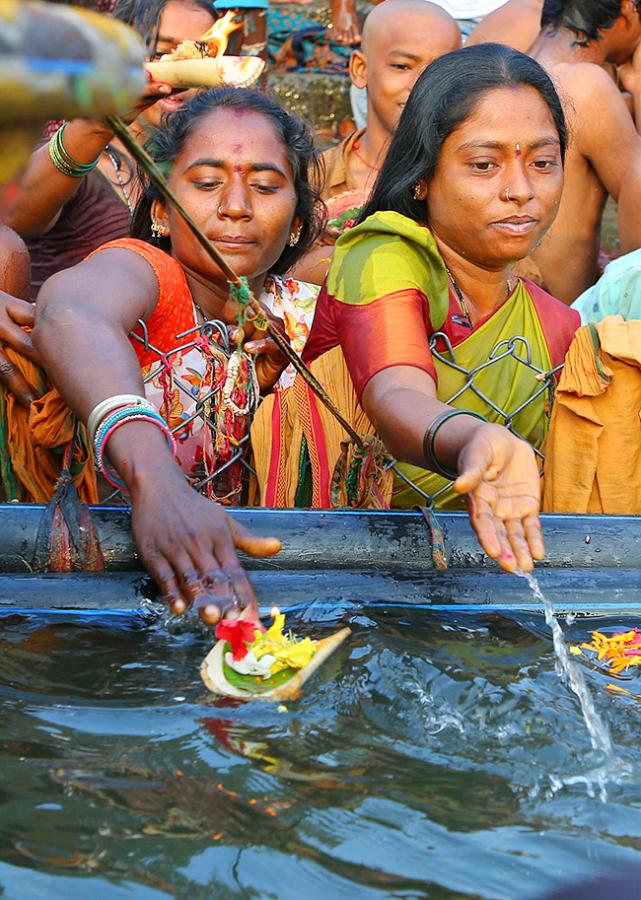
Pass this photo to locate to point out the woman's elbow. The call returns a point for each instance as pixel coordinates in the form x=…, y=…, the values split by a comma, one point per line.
x=56, y=315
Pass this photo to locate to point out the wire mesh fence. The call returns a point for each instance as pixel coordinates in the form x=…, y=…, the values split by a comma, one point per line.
x=519, y=352
x=212, y=334
x=202, y=407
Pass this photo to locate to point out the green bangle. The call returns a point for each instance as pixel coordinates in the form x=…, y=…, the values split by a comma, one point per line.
x=64, y=162
x=430, y=436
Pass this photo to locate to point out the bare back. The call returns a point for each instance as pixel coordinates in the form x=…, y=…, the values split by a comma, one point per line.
x=516, y=24
x=568, y=255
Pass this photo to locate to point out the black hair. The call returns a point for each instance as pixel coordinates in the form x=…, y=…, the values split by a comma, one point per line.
x=166, y=143
x=144, y=15
x=586, y=18
x=443, y=97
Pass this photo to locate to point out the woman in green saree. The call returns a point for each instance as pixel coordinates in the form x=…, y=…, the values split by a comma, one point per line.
x=420, y=292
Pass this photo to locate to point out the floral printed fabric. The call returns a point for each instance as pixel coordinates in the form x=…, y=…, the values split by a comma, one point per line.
x=293, y=301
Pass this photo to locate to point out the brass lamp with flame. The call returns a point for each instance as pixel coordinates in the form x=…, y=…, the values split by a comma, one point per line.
x=202, y=63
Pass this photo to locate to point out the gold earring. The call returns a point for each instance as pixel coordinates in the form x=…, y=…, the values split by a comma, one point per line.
x=417, y=193
x=157, y=230
x=294, y=237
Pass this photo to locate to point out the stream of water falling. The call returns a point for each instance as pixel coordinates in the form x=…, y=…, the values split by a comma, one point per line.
x=572, y=674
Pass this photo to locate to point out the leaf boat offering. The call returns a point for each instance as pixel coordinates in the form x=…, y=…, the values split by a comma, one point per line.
x=201, y=63
x=226, y=71
x=251, y=663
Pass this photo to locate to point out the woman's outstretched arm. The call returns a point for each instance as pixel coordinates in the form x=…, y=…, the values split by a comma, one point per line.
x=187, y=542
x=44, y=189
x=496, y=470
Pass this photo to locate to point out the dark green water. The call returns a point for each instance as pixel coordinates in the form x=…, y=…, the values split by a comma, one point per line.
x=432, y=757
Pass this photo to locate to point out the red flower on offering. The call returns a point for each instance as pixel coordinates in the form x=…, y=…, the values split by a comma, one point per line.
x=239, y=633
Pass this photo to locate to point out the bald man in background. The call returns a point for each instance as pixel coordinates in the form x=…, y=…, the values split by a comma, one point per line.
x=400, y=38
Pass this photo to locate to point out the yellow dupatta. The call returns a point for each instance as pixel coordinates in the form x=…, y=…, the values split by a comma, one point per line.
x=501, y=375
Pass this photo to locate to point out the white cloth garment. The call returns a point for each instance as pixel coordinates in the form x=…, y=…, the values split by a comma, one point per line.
x=469, y=9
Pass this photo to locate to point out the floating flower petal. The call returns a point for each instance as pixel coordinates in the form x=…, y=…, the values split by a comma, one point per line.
x=620, y=651
x=239, y=633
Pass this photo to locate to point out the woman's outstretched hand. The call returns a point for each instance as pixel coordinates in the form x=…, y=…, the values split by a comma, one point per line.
x=188, y=544
x=499, y=475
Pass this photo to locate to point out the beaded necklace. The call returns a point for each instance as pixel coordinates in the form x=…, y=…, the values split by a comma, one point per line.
x=356, y=146
x=461, y=297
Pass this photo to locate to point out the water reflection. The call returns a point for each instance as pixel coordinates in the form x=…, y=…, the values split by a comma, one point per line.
x=433, y=756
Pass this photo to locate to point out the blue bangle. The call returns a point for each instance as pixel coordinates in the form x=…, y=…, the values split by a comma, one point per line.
x=127, y=413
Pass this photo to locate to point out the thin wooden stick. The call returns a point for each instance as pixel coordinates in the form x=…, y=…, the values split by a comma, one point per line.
x=158, y=179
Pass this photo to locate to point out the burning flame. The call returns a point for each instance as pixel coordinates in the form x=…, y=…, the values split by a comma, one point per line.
x=274, y=611
x=209, y=45
x=217, y=37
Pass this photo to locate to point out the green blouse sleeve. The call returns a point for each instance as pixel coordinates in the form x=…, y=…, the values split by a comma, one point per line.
x=383, y=255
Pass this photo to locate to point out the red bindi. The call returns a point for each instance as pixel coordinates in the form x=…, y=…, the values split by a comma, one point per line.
x=517, y=150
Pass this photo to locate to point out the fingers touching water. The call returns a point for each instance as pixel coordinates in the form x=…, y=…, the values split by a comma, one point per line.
x=188, y=544
x=499, y=475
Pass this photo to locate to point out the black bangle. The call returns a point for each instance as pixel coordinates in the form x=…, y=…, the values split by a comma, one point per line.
x=430, y=436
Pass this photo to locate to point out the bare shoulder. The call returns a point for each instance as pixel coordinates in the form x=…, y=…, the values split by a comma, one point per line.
x=594, y=107
x=10, y=241
x=114, y=279
x=584, y=83
x=114, y=266
x=15, y=265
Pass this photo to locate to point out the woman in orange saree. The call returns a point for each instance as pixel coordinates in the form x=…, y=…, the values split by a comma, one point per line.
x=240, y=166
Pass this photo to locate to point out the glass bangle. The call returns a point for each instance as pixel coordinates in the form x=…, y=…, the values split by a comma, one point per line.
x=430, y=436
x=64, y=162
x=110, y=424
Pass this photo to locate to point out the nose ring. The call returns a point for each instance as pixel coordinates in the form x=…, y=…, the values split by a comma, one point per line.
x=219, y=210
x=507, y=194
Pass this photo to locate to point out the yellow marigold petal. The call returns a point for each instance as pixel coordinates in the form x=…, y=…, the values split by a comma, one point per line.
x=626, y=636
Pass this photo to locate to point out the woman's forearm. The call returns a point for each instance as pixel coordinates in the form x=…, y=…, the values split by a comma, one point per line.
x=102, y=369
x=44, y=189
x=402, y=412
